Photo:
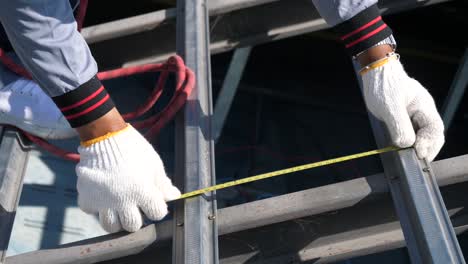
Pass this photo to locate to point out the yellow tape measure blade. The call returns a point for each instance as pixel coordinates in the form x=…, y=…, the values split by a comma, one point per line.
x=287, y=171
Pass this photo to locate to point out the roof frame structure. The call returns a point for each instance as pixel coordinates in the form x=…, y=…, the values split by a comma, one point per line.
x=370, y=192
x=239, y=24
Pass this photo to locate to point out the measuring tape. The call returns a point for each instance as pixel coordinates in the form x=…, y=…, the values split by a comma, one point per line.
x=287, y=171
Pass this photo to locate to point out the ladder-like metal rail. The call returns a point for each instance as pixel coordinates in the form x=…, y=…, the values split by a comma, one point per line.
x=428, y=231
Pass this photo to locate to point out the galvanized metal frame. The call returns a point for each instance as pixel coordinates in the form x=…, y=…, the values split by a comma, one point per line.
x=194, y=225
x=368, y=227
x=195, y=235
x=13, y=160
x=258, y=217
x=426, y=225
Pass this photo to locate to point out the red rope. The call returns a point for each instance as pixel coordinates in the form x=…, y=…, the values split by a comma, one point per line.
x=185, y=82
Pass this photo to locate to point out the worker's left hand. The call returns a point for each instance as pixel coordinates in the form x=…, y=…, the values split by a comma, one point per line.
x=406, y=107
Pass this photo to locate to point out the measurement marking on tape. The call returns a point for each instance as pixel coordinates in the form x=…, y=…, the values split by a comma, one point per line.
x=287, y=171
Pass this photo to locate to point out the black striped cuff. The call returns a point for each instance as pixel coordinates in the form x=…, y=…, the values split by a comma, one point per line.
x=363, y=31
x=85, y=104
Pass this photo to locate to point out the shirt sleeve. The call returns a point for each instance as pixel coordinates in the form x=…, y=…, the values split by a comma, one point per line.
x=358, y=22
x=44, y=35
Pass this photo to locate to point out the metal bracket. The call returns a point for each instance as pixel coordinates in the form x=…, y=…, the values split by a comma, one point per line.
x=13, y=160
x=195, y=232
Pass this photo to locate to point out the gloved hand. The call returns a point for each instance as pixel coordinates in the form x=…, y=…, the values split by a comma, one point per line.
x=119, y=175
x=402, y=103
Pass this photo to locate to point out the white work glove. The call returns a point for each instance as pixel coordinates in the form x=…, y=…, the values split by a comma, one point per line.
x=402, y=103
x=120, y=175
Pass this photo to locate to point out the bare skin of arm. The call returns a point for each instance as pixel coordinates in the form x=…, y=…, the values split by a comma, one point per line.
x=373, y=54
x=110, y=122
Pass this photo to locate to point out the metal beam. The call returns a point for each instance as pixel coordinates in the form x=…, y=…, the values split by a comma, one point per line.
x=236, y=23
x=247, y=216
x=456, y=92
x=325, y=199
x=141, y=23
x=13, y=159
x=418, y=202
x=195, y=236
x=229, y=88
x=370, y=227
x=364, y=229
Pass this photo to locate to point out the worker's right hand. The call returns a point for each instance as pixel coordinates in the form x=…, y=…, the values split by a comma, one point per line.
x=120, y=176
x=405, y=106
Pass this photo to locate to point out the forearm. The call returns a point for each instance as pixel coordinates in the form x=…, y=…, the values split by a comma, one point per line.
x=110, y=122
x=373, y=54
